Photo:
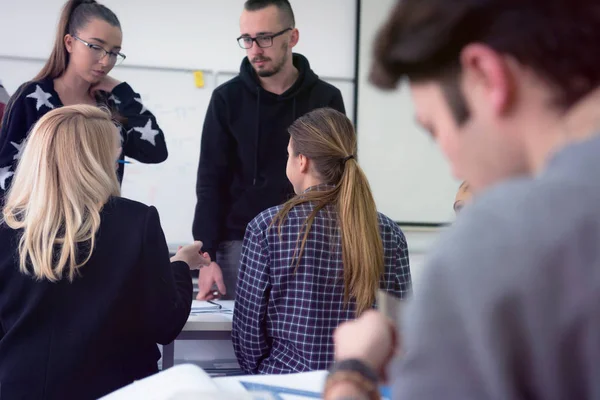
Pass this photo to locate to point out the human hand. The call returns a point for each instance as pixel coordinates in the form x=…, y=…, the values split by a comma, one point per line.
x=192, y=256
x=372, y=338
x=106, y=84
x=208, y=277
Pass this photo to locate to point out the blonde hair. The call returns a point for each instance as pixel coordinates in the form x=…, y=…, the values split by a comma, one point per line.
x=326, y=137
x=66, y=174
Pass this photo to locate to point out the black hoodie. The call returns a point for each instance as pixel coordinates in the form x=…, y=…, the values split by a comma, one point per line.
x=243, y=153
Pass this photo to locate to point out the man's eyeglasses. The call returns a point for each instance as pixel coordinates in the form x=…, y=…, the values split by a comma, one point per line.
x=99, y=53
x=263, y=41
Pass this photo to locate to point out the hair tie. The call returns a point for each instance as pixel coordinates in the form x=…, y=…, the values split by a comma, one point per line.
x=82, y=2
x=350, y=157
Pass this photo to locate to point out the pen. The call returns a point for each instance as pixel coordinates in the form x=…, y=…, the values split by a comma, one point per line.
x=124, y=162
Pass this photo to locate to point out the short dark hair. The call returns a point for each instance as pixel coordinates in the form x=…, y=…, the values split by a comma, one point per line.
x=557, y=39
x=284, y=7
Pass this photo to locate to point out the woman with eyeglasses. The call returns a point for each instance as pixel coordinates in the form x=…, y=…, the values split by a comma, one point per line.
x=86, y=48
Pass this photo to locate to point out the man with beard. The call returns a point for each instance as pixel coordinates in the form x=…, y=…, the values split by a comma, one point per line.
x=244, y=142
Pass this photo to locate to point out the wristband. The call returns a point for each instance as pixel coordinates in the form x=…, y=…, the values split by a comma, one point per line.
x=356, y=372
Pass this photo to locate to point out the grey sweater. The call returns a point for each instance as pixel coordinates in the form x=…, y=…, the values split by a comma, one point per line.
x=510, y=303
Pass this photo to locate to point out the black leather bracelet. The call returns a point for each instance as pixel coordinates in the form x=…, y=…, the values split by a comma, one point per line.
x=355, y=365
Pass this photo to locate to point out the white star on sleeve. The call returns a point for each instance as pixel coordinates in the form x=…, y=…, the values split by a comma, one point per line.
x=139, y=100
x=41, y=98
x=148, y=134
x=5, y=173
x=19, y=148
x=115, y=99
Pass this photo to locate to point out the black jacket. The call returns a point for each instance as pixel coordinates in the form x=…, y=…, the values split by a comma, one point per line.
x=84, y=339
x=243, y=153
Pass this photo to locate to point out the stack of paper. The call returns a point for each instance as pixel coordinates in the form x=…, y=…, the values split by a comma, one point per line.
x=182, y=382
x=204, y=307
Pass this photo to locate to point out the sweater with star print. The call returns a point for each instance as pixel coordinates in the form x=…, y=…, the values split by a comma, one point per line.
x=142, y=138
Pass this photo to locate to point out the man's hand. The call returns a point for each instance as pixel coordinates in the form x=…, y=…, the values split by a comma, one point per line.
x=372, y=339
x=206, y=279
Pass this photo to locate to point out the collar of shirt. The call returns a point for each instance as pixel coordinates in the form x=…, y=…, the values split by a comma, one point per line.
x=319, y=187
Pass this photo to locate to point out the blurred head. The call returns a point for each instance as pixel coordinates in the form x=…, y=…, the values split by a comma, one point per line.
x=63, y=179
x=322, y=148
x=88, y=41
x=481, y=87
x=272, y=24
x=463, y=196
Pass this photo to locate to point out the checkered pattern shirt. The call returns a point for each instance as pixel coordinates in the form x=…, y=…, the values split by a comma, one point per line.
x=284, y=318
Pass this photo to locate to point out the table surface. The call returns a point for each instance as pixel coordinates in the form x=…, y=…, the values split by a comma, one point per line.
x=211, y=321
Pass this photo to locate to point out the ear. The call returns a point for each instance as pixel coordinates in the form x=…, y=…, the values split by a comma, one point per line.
x=304, y=163
x=486, y=73
x=294, y=37
x=68, y=39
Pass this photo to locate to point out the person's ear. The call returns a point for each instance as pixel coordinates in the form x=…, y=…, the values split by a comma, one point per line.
x=488, y=72
x=304, y=163
x=68, y=40
x=294, y=37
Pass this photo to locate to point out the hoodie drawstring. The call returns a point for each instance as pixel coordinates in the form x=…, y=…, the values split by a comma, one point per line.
x=257, y=136
x=294, y=111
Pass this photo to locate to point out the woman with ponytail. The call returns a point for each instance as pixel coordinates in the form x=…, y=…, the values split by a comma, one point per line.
x=317, y=260
x=86, y=48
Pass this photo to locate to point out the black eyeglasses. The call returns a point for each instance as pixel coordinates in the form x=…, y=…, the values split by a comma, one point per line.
x=263, y=41
x=99, y=53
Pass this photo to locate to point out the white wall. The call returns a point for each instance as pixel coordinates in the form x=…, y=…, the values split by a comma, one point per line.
x=420, y=241
x=189, y=34
x=411, y=180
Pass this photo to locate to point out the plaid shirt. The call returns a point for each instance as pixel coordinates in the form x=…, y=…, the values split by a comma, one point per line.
x=284, y=319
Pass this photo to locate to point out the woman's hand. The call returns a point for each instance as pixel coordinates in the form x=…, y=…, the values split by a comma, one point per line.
x=192, y=256
x=106, y=84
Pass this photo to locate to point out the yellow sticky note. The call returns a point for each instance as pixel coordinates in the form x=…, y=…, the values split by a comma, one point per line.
x=199, y=79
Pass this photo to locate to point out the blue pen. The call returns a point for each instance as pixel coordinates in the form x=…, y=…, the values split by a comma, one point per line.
x=123, y=162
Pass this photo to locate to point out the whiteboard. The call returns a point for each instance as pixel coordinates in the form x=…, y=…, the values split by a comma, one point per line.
x=192, y=34
x=409, y=177
x=169, y=186
x=14, y=73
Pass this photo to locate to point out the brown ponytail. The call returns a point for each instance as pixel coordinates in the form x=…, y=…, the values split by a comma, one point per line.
x=326, y=137
x=74, y=16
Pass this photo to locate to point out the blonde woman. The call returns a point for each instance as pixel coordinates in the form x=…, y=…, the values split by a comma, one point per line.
x=319, y=259
x=87, y=286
